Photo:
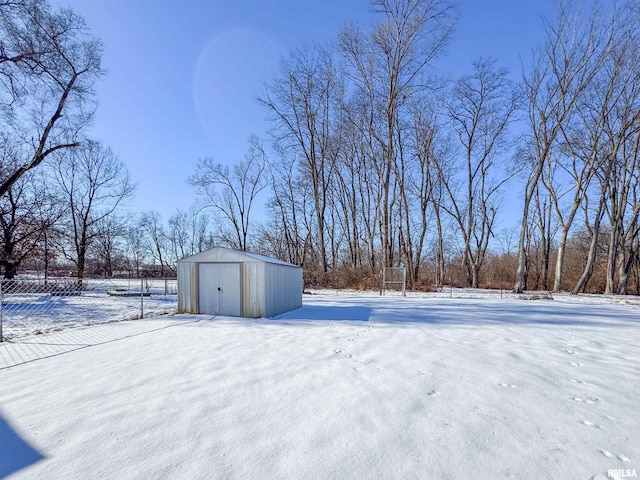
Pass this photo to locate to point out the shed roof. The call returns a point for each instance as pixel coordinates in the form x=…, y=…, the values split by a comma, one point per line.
x=223, y=254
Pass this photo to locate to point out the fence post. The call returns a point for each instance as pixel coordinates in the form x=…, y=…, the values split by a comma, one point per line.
x=404, y=281
x=141, y=298
x=1, y=302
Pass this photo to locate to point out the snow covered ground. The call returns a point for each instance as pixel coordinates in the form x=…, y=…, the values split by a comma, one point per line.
x=25, y=313
x=347, y=387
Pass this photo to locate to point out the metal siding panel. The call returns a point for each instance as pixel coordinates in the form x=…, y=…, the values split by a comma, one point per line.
x=187, y=282
x=270, y=288
x=259, y=283
x=250, y=309
x=260, y=288
x=283, y=289
x=246, y=290
x=253, y=291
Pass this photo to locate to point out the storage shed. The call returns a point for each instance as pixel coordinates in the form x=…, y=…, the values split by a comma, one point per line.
x=223, y=281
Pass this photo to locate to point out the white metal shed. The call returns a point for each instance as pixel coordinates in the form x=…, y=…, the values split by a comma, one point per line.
x=223, y=281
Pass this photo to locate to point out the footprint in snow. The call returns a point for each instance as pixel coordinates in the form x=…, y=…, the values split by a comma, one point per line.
x=576, y=364
x=588, y=400
x=571, y=352
x=433, y=393
x=591, y=424
x=577, y=381
x=620, y=457
x=507, y=385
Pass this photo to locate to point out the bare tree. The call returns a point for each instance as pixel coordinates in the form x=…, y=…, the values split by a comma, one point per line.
x=94, y=184
x=188, y=233
x=547, y=230
x=27, y=211
x=573, y=52
x=388, y=69
x=232, y=191
x=609, y=125
x=289, y=207
x=431, y=150
x=109, y=249
x=480, y=108
x=302, y=101
x=156, y=240
x=358, y=164
x=48, y=65
x=136, y=249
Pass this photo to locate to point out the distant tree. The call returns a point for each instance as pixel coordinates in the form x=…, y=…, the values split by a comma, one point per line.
x=48, y=65
x=481, y=107
x=155, y=240
x=232, y=192
x=94, y=183
x=135, y=248
x=109, y=251
x=389, y=68
x=188, y=233
x=288, y=234
x=433, y=152
x=27, y=211
x=302, y=104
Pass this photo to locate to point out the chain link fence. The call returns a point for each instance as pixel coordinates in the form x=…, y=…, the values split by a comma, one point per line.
x=35, y=306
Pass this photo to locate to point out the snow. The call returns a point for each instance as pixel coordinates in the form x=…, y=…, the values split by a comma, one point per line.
x=24, y=314
x=350, y=386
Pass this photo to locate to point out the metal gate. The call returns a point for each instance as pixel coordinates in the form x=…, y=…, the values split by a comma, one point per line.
x=219, y=289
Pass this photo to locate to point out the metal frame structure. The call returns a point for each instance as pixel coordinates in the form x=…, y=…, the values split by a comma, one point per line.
x=393, y=277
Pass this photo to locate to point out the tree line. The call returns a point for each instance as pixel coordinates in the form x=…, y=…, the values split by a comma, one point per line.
x=374, y=158
x=383, y=162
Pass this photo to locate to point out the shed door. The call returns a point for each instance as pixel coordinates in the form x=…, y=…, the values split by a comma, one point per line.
x=219, y=291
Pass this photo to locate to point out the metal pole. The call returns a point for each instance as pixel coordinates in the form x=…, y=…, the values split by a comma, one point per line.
x=141, y=298
x=404, y=282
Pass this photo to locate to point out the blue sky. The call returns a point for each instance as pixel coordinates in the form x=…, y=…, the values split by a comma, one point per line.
x=183, y=77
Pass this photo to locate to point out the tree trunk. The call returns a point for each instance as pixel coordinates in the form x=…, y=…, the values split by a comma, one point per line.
x=581, y=285
x=562, y=245
x=611, y=261
x=475, y=273
x=521, y=270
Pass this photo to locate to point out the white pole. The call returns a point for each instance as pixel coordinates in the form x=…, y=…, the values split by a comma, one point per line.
x=404, y=282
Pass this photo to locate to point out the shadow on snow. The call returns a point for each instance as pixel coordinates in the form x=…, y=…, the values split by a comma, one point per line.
x=468, y=312
x=16, y=453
